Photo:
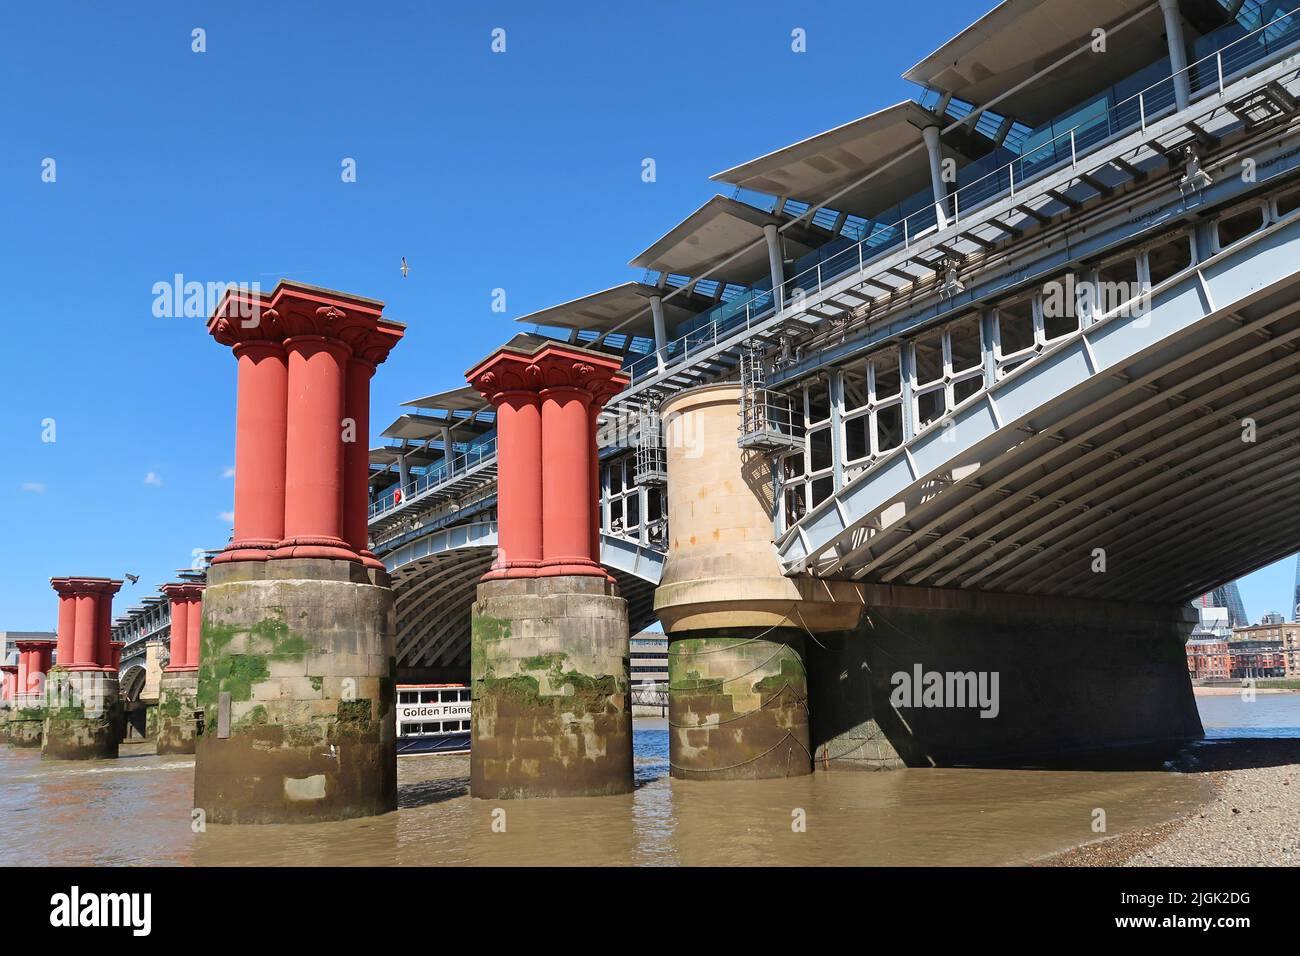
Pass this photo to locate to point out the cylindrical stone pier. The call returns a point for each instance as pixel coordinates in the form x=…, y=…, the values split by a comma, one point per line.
x=294, y=639
x=551, y=696
x=736, y=627
x=552, y=712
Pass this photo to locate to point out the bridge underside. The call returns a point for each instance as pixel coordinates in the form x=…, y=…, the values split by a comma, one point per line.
x=1131, y=474
x=436, y=593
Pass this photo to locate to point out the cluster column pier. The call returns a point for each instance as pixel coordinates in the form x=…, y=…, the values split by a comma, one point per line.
x=31, y=676
x=178, y=689
x=83, y=717
x=549, y=646
x=294, y=641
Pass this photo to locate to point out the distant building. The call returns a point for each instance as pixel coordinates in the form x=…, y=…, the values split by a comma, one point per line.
x=1208, y=659
x=1229, y=597
x=1295, y=605
x=649, y=659
x=1266, y=649
x=1218, y=651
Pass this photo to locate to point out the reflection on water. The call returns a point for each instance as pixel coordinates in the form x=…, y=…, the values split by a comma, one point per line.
x=137, y=810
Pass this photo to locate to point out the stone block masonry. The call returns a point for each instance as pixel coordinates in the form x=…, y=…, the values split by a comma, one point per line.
x=83, y=715
x=177, y=703
x=296, y=688
x=551, y=696
x=738, y=704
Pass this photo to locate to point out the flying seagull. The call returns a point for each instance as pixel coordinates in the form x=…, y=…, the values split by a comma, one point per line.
x=405, y=268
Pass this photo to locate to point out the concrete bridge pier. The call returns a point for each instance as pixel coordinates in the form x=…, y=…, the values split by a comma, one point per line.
x=296, y=666
x=738, y=631
x=549, y=640
x=178, y=688
x=936, y=677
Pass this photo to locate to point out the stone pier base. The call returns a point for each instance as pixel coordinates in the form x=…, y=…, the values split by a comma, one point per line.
x=177, y=702
x=549, y=672
x=738, y=704
x=26, y=728
x=1022, y=678
x=296, y=689
x=83, y=717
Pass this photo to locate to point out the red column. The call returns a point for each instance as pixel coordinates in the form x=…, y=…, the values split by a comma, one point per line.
x=567, y=499
x=593, y=455
x=117, y=653
x=85, y=630
x=251, y=327
x=180, y=632
x=356, y=461
x=260, y=429
x=67, y=619
x=313, y=478
x=194, y=625
x=546, y=464
x=519, y=484
x=10, y=672
x=510, y=381
x=45, y=654
x=34, y=661
x=104, y=624
x=20, y=674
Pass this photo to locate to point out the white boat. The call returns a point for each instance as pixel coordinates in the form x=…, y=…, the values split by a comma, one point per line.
x=433, y=718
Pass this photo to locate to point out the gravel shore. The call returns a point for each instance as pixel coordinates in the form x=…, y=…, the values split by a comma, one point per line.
x=1252, y=818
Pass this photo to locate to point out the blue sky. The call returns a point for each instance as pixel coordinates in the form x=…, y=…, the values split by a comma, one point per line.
x=519, y=171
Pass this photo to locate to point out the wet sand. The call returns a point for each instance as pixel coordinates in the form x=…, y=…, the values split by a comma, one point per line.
x=1251, y=816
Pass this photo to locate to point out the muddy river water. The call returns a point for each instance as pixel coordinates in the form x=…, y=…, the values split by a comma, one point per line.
x=137, y=810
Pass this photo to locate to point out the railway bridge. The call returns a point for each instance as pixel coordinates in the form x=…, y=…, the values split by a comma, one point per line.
x=994, y=380
x=918, y=442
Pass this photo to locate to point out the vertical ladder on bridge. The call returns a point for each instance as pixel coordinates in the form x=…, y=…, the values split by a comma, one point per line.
x=651, y=463
x=769, y=421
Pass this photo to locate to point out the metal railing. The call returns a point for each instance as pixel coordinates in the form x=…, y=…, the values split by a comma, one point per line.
x=460, y=464
x=1210, y=73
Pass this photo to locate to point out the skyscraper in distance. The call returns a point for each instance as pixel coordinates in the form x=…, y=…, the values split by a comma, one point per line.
x=1295, y=605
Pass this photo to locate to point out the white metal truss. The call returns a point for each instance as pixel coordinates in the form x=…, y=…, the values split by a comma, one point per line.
x=1125, y=437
